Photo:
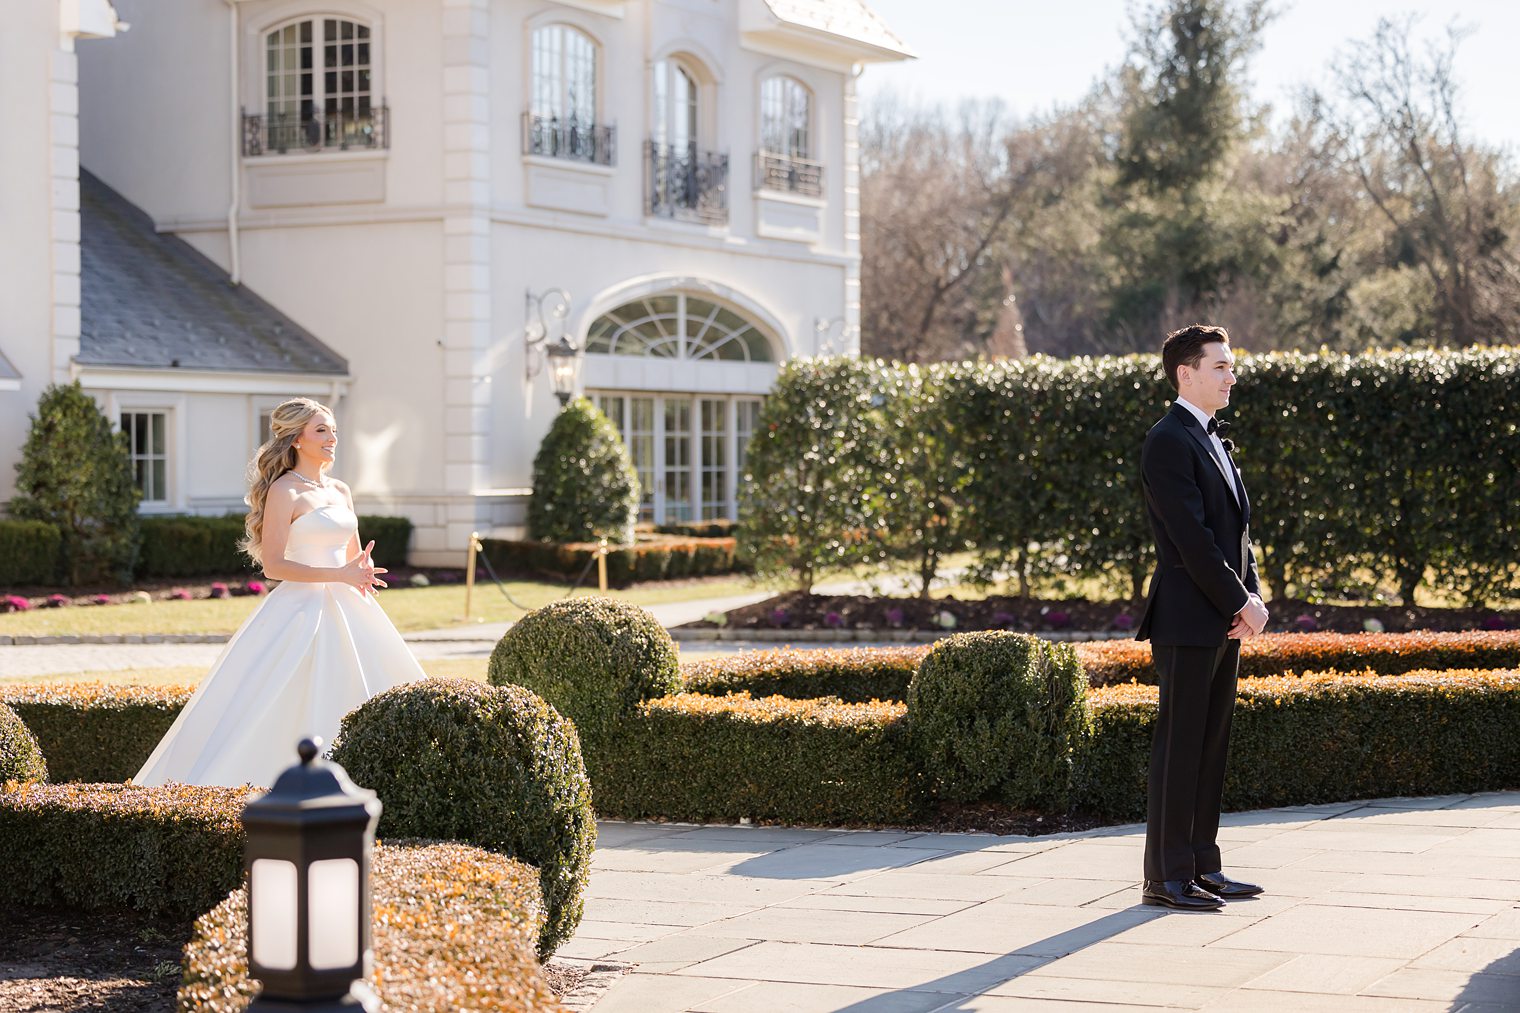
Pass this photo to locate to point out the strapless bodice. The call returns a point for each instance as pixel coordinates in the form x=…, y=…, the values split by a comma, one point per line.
x=320, y=537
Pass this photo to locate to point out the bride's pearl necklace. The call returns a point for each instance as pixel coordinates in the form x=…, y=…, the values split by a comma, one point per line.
x=314, y=483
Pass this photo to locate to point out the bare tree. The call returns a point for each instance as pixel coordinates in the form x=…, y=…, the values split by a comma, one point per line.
x=1449, y=206
x=935, y=199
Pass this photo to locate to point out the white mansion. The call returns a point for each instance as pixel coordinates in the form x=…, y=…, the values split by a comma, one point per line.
x=399, y=206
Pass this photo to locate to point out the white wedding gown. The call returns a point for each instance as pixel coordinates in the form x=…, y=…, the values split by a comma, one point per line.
x=308, y=655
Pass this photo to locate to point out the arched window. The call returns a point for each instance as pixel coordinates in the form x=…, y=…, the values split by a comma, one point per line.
x=786, y=118
x=675, y=104
x=319, y=92
x=678, y=326
x=562, y=119
x=785, y=160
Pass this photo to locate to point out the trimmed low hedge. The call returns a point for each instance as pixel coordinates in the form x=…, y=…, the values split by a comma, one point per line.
x=882, y=673
x=454, y=928
x=191, y=546
x=197, y=546
x=1323, y=737
x=853, y=674
x=1119, y=661
x=94, y=732
x=698, y=757
x=719, y=527
x=30, y=552
x=20, y=756
x=490, y=765
x=653, y=557
x=392, y=537
x=172, y=851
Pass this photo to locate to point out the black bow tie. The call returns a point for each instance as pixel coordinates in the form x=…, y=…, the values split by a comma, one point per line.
x=1215, y=426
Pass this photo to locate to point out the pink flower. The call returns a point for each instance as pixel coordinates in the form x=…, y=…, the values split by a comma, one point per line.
x=16, y=603
x=833, y=620
x=1058, y=620
x=255, y=587
x=57, y=601
x=180, y=594
x=219, y=590
x=101, y=599
x=1305, y=624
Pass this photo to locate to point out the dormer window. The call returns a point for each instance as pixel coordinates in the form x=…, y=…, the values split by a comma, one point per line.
x=318, y=90
x=785, y=159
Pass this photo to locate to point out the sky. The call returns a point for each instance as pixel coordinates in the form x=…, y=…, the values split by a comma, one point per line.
x=1039, y=54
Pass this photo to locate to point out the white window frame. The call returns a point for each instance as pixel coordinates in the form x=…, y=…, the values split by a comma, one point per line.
x=792, y=87
x=551, y=91
x=174, y=408
x=659, y=506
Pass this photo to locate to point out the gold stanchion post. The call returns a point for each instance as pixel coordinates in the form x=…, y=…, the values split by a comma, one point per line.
x=469, y=573
x=601, y=566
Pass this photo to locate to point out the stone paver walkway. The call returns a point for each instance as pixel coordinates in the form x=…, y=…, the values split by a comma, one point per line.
x=1391, y=905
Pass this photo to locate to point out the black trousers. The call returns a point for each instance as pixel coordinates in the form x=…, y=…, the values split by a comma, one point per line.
x=1187, y=759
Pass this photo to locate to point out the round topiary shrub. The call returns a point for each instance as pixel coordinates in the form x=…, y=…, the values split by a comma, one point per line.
x=998, y=714
x=20, y=757
x=493, y=766
x=594, y=659
x=584, y=483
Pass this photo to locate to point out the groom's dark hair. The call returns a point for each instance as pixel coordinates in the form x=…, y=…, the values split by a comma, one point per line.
x=1184, y=347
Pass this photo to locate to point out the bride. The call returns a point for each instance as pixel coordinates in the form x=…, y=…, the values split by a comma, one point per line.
x=317, y=647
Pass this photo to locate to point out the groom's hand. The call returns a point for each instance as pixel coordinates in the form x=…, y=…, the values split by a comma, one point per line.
x=1250, y=620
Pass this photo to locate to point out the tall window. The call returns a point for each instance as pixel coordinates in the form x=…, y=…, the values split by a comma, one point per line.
x=148, y=448
x=688, y=450
x=564, y=74
x=318, y=89
x=785, y=118
x=675, y=105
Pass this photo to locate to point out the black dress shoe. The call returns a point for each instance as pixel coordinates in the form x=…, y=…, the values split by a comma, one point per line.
x=1182, y=894
x=1222, y=885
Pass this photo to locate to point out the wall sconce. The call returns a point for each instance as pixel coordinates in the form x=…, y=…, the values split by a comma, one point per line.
x=563, y=356
x=308, y=859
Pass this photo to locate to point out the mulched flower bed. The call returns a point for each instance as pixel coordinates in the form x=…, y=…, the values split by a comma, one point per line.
x=71, y=961
x=795, y=610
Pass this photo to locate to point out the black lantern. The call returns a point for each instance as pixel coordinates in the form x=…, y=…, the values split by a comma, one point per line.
x=564, y=362
x=307, y=859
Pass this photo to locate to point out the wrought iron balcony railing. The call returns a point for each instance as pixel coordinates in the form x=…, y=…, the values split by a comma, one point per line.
x=571, y=139
x=686, y=183
x=792, y=175
x=280, y=133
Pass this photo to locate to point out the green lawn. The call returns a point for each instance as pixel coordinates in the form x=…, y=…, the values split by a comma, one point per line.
x=410, y=608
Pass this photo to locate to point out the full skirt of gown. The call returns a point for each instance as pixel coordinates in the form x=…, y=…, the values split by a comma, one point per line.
x=309, y=654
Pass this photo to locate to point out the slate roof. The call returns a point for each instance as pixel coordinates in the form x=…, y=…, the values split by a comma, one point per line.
x=850, y=19
x=151, y=300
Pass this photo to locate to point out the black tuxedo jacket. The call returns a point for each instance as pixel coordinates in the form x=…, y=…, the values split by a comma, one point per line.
x=1204, y=568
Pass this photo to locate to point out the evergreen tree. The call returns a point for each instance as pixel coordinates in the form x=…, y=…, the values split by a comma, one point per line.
x=75, y=473
x=584, y=484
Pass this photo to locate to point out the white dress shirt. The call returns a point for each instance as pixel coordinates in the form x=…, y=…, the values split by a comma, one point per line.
x=1220, y=457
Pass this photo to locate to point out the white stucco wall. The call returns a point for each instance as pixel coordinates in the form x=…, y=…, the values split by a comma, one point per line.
x=39, y=221
x=413, y=262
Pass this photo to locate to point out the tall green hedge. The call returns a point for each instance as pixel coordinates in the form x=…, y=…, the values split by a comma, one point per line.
x=1401, y=465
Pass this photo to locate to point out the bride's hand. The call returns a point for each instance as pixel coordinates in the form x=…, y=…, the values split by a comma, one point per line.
x=361, y=572
x=374, y=570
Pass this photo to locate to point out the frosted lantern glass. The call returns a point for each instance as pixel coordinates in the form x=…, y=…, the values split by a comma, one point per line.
x=272, y=891
x=332, y=888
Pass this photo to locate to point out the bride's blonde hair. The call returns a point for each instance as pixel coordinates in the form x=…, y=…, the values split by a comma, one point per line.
x=273, y=459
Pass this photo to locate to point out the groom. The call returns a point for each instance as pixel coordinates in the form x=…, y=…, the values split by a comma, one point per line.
x=1204, y=598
